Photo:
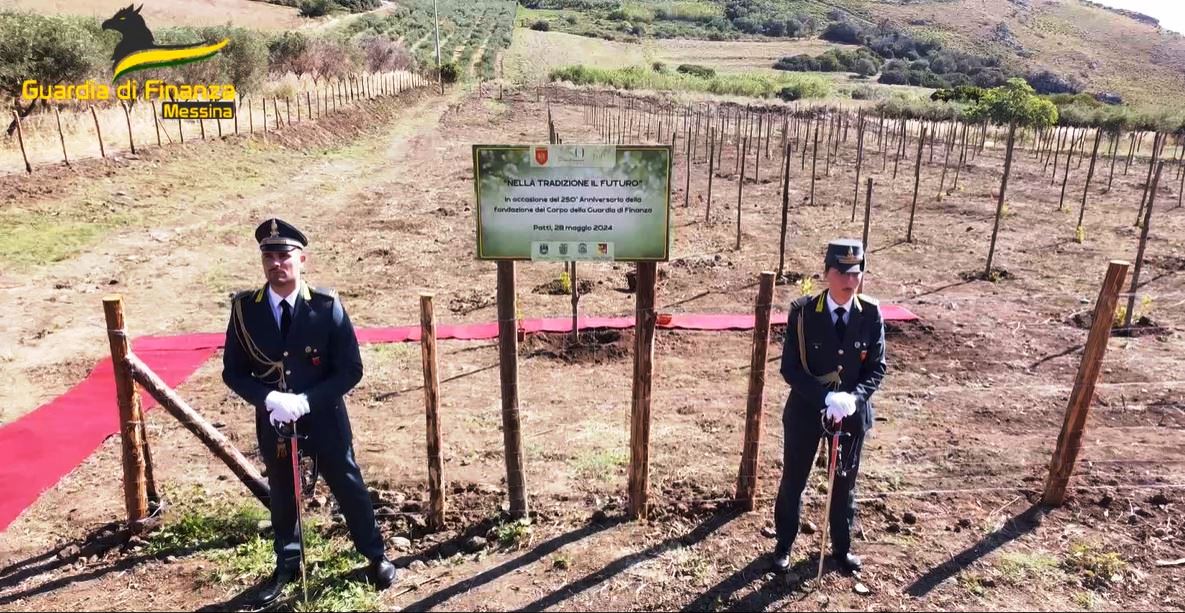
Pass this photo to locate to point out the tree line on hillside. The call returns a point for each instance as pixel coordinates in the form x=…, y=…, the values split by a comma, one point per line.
x=903, y=59
x=318, y=8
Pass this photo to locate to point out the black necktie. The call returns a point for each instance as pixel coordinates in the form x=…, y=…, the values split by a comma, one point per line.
x=841, y=327
x=285, y=319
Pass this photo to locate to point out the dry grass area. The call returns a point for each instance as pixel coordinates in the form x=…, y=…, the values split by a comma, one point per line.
x=245, y=13
x=532, y=55
x=739, y=56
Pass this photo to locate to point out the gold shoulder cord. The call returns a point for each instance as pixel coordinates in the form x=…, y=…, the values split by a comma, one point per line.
x=831, y=379
x=254, y=352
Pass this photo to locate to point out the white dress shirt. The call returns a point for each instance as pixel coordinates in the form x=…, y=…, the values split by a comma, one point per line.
x=847, y=308
x=274, y=300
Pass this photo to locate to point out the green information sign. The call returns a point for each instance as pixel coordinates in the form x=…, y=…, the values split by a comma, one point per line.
x=573, y=202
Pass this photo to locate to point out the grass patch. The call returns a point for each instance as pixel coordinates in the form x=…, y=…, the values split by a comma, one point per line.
x=511, y=534
x=972, y=584
x=396, y=354
x=1016, y=567
x=206, y=525
x=1097, y=568
x=1086, y=600
x=34, y=240
x=600, y=464
x=688, y=565
x=753, y=85
x=330, y=564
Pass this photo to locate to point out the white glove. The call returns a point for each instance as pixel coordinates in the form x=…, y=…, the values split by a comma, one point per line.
x=840, y=405
x=301, y=405
x=272, y=401
x=282, y=407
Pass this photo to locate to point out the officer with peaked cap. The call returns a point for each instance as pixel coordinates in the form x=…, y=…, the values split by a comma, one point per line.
x=292, y=353
x=834, y=360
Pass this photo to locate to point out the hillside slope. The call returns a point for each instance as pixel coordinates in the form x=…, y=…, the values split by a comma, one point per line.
x=1107, y=51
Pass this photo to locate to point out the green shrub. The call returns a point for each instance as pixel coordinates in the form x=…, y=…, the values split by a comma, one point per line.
x=696, y=70
x=541, y=26
x=864, y=92
x=844, y=32
x=314, y=8
x=449, y=73
x=864, y=67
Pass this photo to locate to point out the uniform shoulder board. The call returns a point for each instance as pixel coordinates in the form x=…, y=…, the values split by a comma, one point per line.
x=801, y=301
x=324, y=291
x=869, y=300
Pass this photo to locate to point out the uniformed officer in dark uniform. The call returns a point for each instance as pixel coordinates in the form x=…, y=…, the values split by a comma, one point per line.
x=292, y=353
x=834, y=360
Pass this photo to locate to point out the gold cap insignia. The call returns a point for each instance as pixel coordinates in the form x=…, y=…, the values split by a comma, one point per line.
x=850, y=258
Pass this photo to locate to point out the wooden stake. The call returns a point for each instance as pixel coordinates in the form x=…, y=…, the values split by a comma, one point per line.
x=962, y=160
x=747, y=478
x=814, y=162
x=1065, y=179
x=917, y=179
x=214, y=440
x=1157, y=145
x=639, y=469
x=950, y=144
x=575, y=306
x=1131, y=151
x=757, y=151
x=740, y=189
x=516, y=483
x=1098, y=136
x=98, y=132
x=1131, y=300
x=687, y=162
x=867, y=219
x=128, y=118
x=785, y=209
x=1069, y=441
x=711, y=172
x=20, y=137
x=859, y=163
x=131, y=420
x=987, y=272
x=62, y=137
x=435, y=516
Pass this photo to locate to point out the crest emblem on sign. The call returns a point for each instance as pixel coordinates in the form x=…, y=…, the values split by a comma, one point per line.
x=541, y=156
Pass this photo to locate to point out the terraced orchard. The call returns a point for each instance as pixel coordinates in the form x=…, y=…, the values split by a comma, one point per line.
x=472, y=32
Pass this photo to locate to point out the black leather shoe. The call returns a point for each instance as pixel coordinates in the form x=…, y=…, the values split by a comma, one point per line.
x=849, y=562
x=382, y=573
x=781, y=562
x=271, y=589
